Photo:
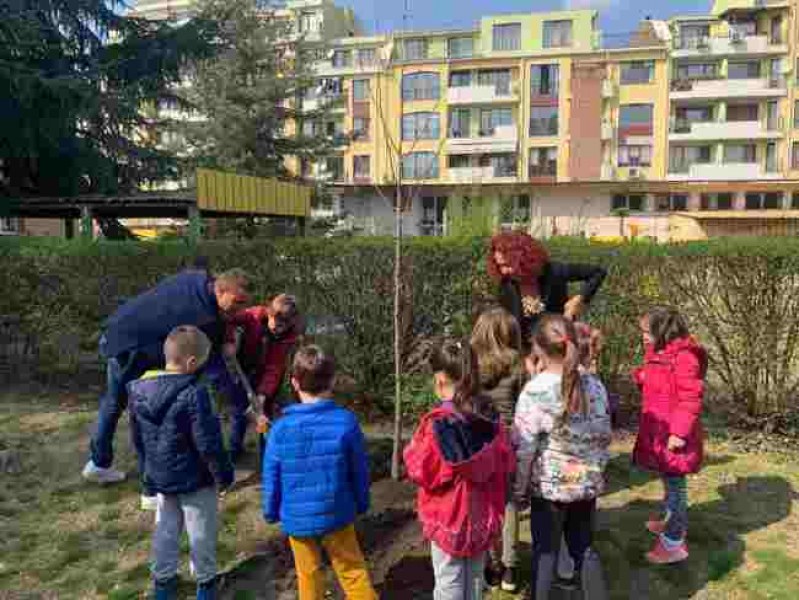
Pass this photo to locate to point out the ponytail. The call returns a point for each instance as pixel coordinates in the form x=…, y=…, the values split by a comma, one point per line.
x=458, y=361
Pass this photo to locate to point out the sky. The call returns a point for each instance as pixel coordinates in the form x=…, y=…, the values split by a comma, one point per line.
x=616, y=16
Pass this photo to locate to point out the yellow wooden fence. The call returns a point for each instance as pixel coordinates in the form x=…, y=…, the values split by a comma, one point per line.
x=222, y=192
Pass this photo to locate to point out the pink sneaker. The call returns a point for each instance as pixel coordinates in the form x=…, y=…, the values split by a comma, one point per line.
x=656, y=525
x=661, y=555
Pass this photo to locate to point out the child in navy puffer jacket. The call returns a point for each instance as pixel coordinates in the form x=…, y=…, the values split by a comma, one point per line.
x=182, y=458
x=316, y=480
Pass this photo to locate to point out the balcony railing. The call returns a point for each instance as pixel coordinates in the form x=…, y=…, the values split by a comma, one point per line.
x=546, y=170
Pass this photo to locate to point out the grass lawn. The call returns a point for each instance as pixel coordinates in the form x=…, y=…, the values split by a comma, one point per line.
x=74, y=540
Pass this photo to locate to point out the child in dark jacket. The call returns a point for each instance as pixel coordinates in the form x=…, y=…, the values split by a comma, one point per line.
x=461, y=458
x=316, y=480
x=496, y=342
x=182, y=459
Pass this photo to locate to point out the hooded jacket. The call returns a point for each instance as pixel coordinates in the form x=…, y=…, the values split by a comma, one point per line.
x=461, y=465
x=177, y=436
x=672, y=384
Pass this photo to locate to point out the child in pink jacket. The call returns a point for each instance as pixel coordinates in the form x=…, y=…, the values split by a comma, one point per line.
x=672, y=382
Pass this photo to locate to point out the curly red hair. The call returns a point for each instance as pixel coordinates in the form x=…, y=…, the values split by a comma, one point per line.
x=525, y=255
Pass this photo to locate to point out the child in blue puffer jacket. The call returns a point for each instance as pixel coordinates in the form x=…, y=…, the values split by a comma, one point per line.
x=316, y=480
x=182, y=458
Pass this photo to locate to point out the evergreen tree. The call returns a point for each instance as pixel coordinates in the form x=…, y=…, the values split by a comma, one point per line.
x=74, y=75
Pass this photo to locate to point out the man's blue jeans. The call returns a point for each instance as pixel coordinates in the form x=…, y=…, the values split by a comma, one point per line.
x=120, y=371
x=235, y=399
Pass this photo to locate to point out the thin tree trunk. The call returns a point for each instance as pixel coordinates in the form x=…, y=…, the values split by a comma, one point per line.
x=397, y=448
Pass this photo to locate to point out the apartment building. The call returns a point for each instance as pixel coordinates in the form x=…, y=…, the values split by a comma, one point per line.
x=688, y=127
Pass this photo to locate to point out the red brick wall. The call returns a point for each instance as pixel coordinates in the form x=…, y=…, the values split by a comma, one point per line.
x=585, y=126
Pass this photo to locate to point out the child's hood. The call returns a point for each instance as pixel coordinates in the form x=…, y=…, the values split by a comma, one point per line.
x=155, y=392
x=684, y=344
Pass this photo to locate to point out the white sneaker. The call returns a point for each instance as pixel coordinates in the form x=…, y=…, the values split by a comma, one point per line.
x=149, y=502
x=91, y=472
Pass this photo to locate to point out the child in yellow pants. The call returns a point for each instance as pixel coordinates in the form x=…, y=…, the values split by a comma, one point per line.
x=316, y=480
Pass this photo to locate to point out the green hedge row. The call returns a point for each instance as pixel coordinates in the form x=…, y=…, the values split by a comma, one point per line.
x=741, y=296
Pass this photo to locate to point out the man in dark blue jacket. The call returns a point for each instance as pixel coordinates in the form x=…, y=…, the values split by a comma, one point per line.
x=134, y=338
x=182, y=458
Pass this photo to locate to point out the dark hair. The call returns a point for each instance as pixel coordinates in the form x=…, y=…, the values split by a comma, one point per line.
x=666, y=325
x=313, y=369
x=456, y=360
x=232, y=279
x=556, y=336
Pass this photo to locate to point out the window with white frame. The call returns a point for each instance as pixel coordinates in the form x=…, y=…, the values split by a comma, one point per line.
x=309, y=22
x=544, y=80
x=507, y=37
x=491, y=118
x=740, y=153
x=460, y=47
x=414, y=49
x=499, y=79
x=460, y=79
x=543, y=162
x=341, y=58
x=420, y=86
x=434, y=215
x=360, y=90
x=460, y=123
x=360, y=128
x=367, y=57
x=682, y=158
x=631, y=202
x=764, y=200
x=420, y=165
x=635, y=156
x=421, y=126
x=557, y=34
x=361, y=167
x=9, y=225
x=637, y=72
x=671, y=202
x=749, y=69
x=543, y=120
x=635, y=114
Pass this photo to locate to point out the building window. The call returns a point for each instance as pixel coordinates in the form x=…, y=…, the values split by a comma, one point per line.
x=330, y=87
x=543, y=162
x=693, y=36
x=460, y=79
x=749, y=69
x=776, y=30
x=635, y=156
x=637, y=72
x=796, y=114
x=507, y=37
x=420, y=165
x=741, y=112
x=360, y=128
x=764, y=201
x=361, y=167
x=682, y=158
x=360, y=90
x=795, y=156
x=672, y=202
x=491, y=118
x=795, y=201
x=460, y=123
x=740, y=153
x=335, y=167
x=557, y=34
x=342, y=58
x=421, y=126
x=499, y=80
x=434, y=215
x=420, y=86
x=544, y=80
x=414, y=49
x=724, y=202
x=741, y=29
x=503, y=165
x=367, y=57
x=543, y=120
x=631, y=115
x=460, y=161
x=460, y=47
x=697, y=71
x=308, y=22
x=632, y=202
x=721, y=201
x=9, y=225
x=693, y=114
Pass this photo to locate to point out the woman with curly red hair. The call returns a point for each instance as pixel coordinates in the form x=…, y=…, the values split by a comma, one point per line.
x=531, y=284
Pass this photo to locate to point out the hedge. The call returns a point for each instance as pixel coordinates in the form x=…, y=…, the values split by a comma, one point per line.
x=740, y=295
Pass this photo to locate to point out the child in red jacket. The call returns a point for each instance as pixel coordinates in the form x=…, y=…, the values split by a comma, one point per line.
x=460, y=457
x=266, y=336
x=672, y=382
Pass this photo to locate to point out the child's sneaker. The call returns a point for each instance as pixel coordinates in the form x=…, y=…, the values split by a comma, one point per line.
x=664, y=554
x=493, y=574
x=510, y=582
x=91, y=472
x=656, y=525
x=149, y=503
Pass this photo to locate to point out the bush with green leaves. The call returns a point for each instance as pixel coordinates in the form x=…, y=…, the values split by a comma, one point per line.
x=741, y=297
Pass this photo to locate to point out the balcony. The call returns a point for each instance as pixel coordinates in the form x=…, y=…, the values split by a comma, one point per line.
x=481, y=94
x=733, y=45
x=502, y=139
x=479, y=175
x=543, y=173
x=721, y=172
x=687, y=89
x=685, y=131
x=607, y=131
